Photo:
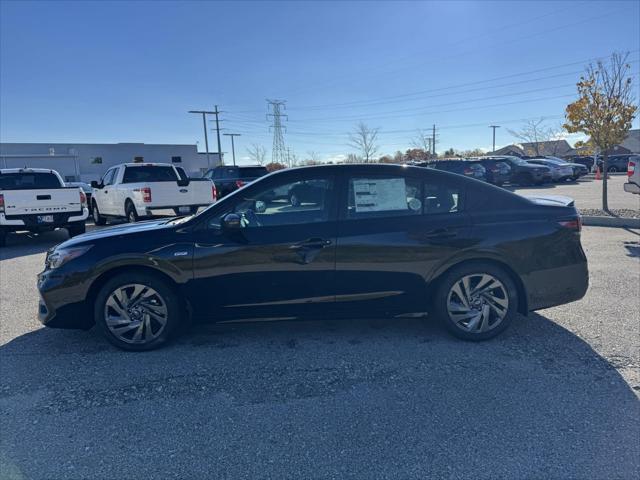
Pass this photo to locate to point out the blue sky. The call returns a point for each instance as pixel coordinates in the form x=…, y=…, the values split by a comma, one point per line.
x=130, y=71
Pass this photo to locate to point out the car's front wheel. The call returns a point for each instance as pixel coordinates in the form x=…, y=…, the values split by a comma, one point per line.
x=97, y=218
x=137, y=311
x=476, y=301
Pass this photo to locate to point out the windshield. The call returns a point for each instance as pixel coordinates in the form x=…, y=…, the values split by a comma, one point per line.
x=28, y=181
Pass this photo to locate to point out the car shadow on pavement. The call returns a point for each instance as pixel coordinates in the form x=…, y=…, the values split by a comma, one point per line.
x=22, y=244
x=633, y=249
x=367, y=398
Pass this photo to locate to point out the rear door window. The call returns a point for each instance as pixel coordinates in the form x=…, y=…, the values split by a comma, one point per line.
x=29, y=181
x=372, y=197
x=150, y=173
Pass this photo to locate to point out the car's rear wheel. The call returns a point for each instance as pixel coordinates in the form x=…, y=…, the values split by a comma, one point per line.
x=130, y=212
x=137, y=311
x=476, y=301
x=97, y=218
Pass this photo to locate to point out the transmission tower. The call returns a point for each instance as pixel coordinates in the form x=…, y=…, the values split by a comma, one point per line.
x=278, y=152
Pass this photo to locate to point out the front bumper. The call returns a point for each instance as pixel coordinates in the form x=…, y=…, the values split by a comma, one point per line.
x=62, y=303
x=632, y=187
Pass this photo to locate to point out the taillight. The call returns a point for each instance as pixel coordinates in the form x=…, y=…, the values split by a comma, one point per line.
x=239, y=183
x=214, y=192
x=83, y=199
x=146, y=194
x=631, y=168
x=1, y=203
x=574, y=224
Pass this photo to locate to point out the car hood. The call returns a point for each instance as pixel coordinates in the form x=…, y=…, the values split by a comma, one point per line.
x=116, y=231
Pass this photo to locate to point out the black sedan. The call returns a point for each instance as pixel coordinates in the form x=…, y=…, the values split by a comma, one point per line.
x=382, y=240
x=524, y=173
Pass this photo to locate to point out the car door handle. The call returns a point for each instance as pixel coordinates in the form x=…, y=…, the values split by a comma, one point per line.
x=440, y=233
x=311, y=243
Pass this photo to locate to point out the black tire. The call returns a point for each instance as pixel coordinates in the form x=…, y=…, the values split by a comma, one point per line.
x=97, y=218
x=130, y=212
x=440, y=301
x=173, y=306
x=76, y=229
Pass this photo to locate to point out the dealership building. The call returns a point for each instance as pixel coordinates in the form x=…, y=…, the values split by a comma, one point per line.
x=89, y=161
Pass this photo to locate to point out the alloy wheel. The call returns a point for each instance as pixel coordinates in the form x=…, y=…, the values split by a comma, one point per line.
x=477, y=303
x=135, y=313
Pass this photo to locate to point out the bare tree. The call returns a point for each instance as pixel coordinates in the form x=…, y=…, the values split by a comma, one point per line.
x=364, y=139
x=605, y=108
x=314, y=157
x=534, y=132
x=257, y=153
x=422, y=141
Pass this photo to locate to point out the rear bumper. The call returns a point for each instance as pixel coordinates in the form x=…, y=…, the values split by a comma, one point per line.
x=169, y=211
x=632, y=187
x=556, y=286
x=30, y=222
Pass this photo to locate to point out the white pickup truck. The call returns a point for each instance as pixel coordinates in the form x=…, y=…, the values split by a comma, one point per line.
x=37, y=200
x=138, y=190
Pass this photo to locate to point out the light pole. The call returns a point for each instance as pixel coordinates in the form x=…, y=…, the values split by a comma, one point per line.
x=494, y=136
x=233, y=147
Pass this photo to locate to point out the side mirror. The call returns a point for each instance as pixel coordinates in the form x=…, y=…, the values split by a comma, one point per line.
x=183, y=182
x=260, y=206
x=95, y=184
x=231, y=221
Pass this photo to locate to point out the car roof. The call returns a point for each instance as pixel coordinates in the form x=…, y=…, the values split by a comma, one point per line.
x=144, y=164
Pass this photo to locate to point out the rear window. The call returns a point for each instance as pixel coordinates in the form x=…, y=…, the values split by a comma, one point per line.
x=252, y=172
x=28, y=181
x=150, y=173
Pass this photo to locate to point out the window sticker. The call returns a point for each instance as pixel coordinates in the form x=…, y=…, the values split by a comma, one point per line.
x=377, y=195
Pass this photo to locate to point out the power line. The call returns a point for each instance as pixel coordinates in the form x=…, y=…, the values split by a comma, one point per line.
x=233, y=147
x=278, y=152
x=204, y=114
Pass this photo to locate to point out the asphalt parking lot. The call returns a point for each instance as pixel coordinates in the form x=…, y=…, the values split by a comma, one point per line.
x=587, y=192
x=556, y=396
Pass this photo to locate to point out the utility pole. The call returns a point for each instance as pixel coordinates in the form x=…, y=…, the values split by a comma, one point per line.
x=494, y=136
x=204, y=124
x=216, y=113
x=233, y=147
x=433, y=140
x=278, y=154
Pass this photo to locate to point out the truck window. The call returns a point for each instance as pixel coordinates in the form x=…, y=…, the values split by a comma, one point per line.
x=28, y=181
x=149, y=173
x=252, y=172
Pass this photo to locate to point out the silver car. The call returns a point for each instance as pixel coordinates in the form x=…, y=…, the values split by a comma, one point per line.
x=560, y=171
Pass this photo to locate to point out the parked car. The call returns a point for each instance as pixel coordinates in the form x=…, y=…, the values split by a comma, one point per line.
x=37, y=200
x=579, y=170
x=86, y=188
x=140, y=190
x=615, y=163
x=560, y=171
x=524, y=173
x=378, y=240
x=633, y=175
x=468, y=168
x=498, y=172
x=230, y=178
x=584, y=160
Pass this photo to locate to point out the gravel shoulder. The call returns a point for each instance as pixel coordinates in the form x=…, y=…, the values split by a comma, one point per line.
x=556, y=396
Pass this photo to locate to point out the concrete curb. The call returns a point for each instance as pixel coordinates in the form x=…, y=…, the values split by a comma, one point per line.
x=592, y=221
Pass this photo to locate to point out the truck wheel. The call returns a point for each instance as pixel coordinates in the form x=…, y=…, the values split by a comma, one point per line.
x=130, y=212
x=137, y=311
x=76, y=229
x=97, y=218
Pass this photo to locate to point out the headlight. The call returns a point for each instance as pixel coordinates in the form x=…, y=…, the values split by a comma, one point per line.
x=59, y=257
